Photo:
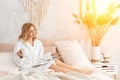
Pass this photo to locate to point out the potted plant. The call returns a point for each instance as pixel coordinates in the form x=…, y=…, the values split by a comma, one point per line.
x=98, y=25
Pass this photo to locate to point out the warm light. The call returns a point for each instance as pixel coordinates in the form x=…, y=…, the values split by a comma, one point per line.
x=98, y=16
x=101, y=6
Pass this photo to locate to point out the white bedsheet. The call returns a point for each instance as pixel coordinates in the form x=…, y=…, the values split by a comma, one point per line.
x=7, y=64
x=51, y=75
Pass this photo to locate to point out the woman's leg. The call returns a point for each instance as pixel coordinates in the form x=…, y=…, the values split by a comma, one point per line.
x=60, y=66
x=61, y=69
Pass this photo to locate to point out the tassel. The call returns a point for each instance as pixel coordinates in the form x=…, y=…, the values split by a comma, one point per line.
x=36, y=9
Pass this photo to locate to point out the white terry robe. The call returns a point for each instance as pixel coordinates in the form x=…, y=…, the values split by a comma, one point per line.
x=32, y=55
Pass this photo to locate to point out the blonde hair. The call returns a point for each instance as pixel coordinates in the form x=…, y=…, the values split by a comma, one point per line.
x=25, y=31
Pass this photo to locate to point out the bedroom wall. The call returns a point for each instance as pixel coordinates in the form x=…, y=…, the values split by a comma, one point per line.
x=12, y=15
x=58, y=23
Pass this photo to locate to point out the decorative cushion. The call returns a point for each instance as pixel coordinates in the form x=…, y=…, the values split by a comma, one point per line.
x=72, y=54
x=7, y=63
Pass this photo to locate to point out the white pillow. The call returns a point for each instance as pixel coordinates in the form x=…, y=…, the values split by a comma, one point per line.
x=72, y=54
x=7, y=63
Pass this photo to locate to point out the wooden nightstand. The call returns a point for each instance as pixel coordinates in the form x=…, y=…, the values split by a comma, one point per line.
x=112, y=69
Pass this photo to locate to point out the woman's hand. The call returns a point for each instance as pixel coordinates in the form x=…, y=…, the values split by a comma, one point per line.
x=55, y=55
x=19, y=53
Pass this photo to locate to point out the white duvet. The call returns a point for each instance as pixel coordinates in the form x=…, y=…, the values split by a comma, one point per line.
x=15, y=74
x=52, y=75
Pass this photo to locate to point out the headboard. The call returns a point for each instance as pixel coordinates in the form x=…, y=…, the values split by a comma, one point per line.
x=48, y=46
x=6, y=47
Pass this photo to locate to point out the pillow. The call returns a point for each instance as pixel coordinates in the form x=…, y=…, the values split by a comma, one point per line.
x=72, y=54
x=7, y=63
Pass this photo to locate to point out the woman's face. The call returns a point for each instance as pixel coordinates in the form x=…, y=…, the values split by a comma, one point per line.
x=32, y=32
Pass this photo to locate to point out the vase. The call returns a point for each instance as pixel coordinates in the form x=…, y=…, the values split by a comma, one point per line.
x=95, y=54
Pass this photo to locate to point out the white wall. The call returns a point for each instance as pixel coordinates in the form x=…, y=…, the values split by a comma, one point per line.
x=12, y=16
x=58, y=23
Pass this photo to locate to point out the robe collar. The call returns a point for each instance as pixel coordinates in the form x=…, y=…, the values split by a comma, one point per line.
x=31, y=48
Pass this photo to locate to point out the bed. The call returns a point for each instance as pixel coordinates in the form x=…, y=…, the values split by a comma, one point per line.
x=9, y=71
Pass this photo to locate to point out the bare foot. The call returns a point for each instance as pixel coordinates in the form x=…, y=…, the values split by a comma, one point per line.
x=86, y=71
x=3, y=73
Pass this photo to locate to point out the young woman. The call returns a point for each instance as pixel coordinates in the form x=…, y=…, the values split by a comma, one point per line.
x=29, y=53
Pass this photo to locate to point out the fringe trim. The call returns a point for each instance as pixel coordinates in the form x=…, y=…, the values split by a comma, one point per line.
x=36, y=9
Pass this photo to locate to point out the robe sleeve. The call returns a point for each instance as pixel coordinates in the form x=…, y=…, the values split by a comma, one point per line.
x=16, y=58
